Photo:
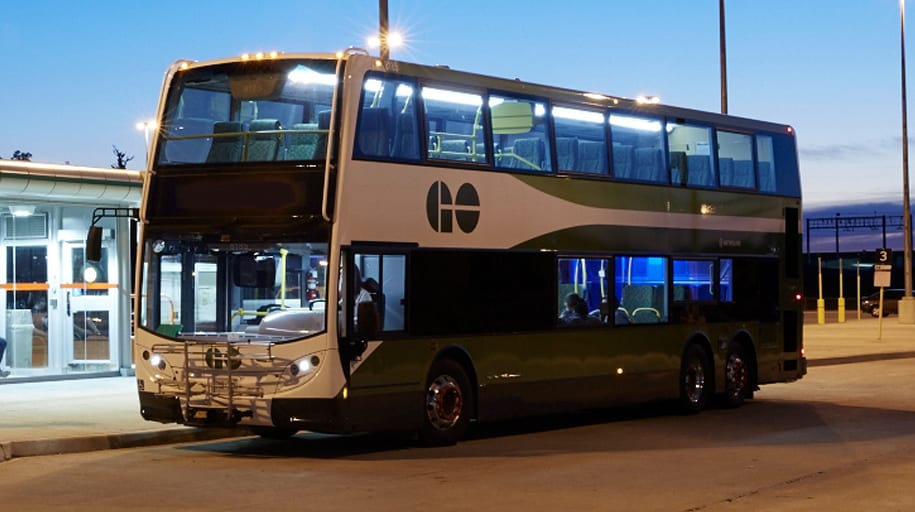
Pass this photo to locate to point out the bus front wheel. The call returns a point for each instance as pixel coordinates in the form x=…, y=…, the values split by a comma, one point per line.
x=448, y=404
x=695, y=379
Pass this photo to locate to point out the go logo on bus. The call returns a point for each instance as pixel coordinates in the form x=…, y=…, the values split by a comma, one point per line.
x=442, y=210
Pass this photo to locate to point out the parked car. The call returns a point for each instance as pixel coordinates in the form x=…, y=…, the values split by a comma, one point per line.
x=891, y=296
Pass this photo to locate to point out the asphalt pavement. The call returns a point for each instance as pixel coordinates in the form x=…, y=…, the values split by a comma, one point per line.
x=68, y=416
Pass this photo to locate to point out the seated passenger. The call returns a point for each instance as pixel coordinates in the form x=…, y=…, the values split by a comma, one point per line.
x=576, y=311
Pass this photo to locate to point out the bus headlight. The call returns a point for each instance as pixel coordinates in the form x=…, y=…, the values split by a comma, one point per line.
x=155, y=360
x=304, y=366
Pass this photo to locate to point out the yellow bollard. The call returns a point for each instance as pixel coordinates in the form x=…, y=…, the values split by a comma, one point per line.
x=821, y=303
x=841, y=311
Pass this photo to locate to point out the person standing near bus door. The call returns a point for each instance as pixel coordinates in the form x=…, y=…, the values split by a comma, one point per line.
x=3, y=373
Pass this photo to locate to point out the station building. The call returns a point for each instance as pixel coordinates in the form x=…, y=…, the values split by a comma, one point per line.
x=60, y=321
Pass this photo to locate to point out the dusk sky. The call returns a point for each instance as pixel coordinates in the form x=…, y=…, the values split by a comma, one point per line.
x=79, y=75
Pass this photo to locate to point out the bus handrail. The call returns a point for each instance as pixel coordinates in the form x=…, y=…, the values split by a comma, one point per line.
x=331, y=128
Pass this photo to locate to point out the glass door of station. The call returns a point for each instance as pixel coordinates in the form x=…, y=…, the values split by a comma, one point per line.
x=89, y=305
x=26, y=306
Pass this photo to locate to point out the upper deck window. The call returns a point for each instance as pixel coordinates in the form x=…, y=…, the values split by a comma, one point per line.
x=581, y=140
x=454, y=124
x=387, y=126
x=735, y=158
x=248, y=111
x=638, y=148
x=520, y=133
x=692, y=159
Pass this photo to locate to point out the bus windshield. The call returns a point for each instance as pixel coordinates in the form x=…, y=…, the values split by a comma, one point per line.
x=249, y=111
x=198, y=289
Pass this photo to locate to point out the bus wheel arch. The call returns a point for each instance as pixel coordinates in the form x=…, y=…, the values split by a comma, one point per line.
x=740, y=371
x=449, y=398
x=697, y=376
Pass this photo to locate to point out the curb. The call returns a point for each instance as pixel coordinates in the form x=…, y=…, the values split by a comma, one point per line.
x=56, y=446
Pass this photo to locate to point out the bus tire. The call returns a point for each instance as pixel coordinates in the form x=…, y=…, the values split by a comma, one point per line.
x=275, y=433
x=736, y=376
x=447, y=404
x=695, y=380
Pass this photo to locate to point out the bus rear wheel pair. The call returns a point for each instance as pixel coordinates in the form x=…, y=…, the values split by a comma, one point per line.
x=696, y=378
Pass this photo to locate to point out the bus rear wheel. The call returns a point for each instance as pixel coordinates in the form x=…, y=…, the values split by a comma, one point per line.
x=736, y=376
x=448, y=404
x=695, y=379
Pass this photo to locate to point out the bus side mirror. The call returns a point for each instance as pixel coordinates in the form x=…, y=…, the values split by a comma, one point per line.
x=94, y=244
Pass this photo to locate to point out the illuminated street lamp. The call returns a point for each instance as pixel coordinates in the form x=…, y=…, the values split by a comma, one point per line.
x=146, y=127
x=394, y=40
x=385, y=40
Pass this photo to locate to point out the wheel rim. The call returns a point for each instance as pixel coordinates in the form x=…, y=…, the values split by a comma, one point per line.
x=737, y=376
x=694, y=381
x=444, y=402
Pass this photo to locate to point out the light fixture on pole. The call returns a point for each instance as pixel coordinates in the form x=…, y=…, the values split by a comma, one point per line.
x=146, y=127
x=386, y=39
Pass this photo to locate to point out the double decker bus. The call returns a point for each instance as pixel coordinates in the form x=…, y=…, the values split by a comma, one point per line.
x=336, y=243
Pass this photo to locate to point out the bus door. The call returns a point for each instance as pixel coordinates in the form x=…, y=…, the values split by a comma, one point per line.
x=373, y=285
x=89, y=307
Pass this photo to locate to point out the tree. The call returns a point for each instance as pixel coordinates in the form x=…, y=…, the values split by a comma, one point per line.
x=122, y=158
x=21, y=155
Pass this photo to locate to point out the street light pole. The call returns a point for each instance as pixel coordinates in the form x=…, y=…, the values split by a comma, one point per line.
x=907, y=304
x=383, y=29
x=722, y=46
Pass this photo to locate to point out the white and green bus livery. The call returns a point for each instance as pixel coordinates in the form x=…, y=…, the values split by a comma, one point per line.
x=336, y=243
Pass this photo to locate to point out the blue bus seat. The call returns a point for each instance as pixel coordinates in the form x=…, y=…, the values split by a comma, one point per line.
x=766, y=177
x=567, y=153
x=726, y=171
x=324, y=127
x=592, y=157
x=264, y=140
x=527, y=154
x=406, y=142
x=374, y=134
x=648, y=162
x=743, y=174
x=302, y=141
x=699, y=171
x=228, y=143
x=623, y=161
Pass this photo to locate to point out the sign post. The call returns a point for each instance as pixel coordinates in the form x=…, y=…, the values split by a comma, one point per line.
x=883, y=270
